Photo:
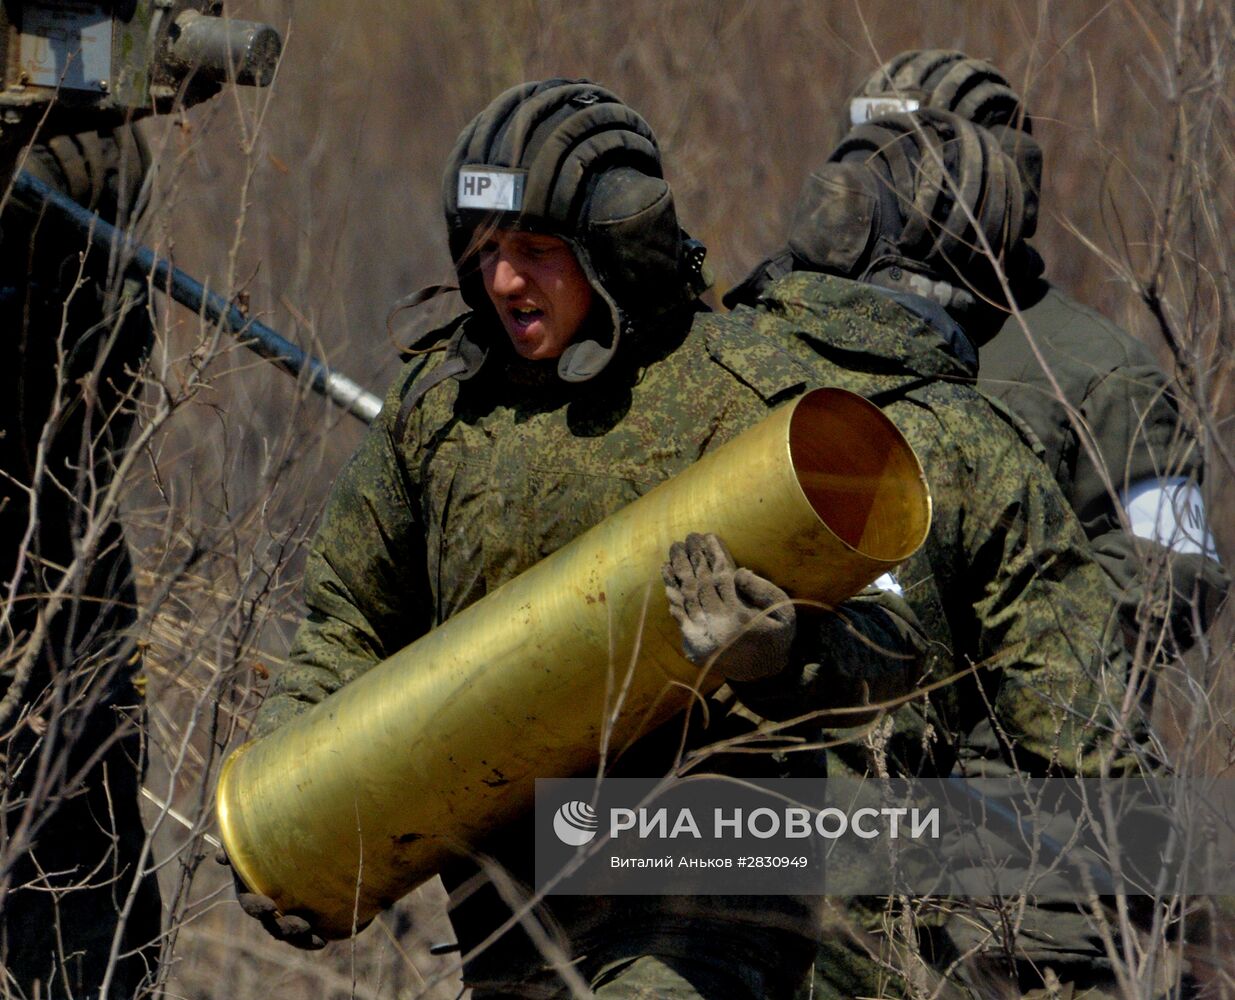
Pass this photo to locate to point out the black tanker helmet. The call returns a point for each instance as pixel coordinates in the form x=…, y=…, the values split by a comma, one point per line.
x=570, y=159
x=947, y=80
x=896, y=203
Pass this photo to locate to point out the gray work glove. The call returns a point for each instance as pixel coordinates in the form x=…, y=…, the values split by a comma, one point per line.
x=731, y=618
x=285, y=927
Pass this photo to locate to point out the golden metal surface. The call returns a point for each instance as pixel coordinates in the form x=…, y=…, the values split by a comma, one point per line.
x=443, y=741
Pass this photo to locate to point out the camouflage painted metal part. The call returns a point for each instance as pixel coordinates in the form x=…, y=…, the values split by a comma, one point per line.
x=442, y=742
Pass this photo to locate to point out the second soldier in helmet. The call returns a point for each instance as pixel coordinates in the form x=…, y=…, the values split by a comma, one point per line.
x=895, y=205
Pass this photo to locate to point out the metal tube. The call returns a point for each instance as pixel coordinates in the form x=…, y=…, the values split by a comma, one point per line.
x=224, y=49
x=441, y=743
x=141, y=260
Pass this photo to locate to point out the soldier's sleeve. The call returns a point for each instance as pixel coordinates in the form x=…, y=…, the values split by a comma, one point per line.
x=1150, y=578
x=365, y=583
x=1138, y=433
x=1054, y=674
x=847, y=663
x=1167, y=560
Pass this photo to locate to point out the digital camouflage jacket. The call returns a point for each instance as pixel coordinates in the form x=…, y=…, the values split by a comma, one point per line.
x=487, y=475
x=490, y=473
x=1005, y=587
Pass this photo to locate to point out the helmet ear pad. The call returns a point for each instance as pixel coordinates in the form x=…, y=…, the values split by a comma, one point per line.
x=837, y=217
x=631, y=237
x=629, y=246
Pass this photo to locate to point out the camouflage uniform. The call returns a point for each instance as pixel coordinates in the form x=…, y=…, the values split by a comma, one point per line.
x=485, y=478
x=489, y=474
x=67, y=891
x=1005, y=572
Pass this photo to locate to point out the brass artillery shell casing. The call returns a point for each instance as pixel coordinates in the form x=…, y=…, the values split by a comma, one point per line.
x=362, y=798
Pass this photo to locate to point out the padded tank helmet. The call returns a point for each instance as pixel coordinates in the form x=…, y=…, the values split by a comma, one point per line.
x=894, y=202
x=569, y=158
x=947, y=80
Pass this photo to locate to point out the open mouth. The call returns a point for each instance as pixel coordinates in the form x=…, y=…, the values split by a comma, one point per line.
x=523, y=317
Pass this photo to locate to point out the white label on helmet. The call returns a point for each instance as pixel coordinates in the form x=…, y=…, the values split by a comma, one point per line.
x=866, y=109
x=492, y=190
x=1170, y=512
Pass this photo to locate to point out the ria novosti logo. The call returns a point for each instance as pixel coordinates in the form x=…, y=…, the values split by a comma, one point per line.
x=575, y=823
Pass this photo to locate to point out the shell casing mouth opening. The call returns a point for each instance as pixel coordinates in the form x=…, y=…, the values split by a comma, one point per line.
x=855, y=471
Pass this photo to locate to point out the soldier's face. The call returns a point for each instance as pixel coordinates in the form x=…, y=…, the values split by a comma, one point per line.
x=538, y=289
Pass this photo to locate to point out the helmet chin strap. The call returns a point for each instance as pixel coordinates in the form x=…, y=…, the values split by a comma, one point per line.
x=596, y=341
x=464, y=359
